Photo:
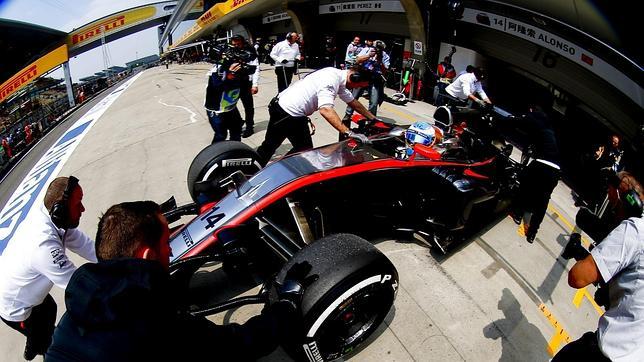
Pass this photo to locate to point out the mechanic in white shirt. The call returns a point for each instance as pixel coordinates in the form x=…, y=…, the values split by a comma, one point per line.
x=467, y=86
x=619, y=261
x=35, y=260
x=289, y=111
x=285, y=54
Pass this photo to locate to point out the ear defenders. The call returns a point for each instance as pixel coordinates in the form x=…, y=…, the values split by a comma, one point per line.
x=60, y=210
x=359, y=76
x=289, y=36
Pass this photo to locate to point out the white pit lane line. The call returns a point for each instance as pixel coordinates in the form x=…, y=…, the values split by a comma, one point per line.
x=32, y=189
x=193, y=115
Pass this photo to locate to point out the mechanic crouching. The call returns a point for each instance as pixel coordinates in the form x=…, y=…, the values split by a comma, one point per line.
x=289, y=111
x=124, y=308
x=618, y=261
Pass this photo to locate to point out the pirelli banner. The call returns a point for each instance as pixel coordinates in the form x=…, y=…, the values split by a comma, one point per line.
x=209, y=18
x=34, y=70
x=117, y=22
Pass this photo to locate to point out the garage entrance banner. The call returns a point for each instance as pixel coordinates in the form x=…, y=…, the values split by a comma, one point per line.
x=34, y=70
x=557, y=45
x=391, y=6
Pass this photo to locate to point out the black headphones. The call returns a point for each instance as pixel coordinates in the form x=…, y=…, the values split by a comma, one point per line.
x=289, y=36
x=359, y=76
x=60, y=209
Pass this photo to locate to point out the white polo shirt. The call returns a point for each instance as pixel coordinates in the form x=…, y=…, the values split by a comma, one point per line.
x=620, y=260
x=285, y=50
x=35, y=260
x=317, y=90
x=464, y=85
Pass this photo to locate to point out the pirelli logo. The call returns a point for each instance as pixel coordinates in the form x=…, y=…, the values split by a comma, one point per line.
x=108, y=25
x=18, y=81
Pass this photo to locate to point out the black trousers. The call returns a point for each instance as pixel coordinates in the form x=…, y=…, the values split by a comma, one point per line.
x=537, y=182
x=585, y=348
x=284, y=77
x=246, y=97
x=281, y=126
x=39, y=327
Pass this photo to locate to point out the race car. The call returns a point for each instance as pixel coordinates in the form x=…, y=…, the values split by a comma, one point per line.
x=308, y=206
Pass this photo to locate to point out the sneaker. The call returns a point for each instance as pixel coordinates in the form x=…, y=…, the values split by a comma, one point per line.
x=247, y=132
x=516, y=218
x=29, y=353
x=530, y=238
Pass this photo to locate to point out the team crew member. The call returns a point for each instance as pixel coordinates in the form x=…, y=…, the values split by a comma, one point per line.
x=35, y=260
x=619, y=261
x=289, y=111
x=468, y=86
x=542, y=174
x=285, y=54
x=124, y=307
x=248, y=85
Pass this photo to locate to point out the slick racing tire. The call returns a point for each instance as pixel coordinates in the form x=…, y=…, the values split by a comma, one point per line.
x=216, y=162
x=355, y=290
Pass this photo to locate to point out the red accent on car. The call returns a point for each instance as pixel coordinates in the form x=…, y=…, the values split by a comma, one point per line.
x=206, y=207
x=586, y=59
x=425, y=151
x=299, y=183
x=477, y=175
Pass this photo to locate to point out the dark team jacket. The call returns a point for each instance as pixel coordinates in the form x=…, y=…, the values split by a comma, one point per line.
x=542, y=136
x=223, y=89
x=124, y=310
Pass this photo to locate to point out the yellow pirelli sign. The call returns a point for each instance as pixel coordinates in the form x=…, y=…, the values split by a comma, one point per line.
x=110, y=24
x=34, y=70
x=209, y=17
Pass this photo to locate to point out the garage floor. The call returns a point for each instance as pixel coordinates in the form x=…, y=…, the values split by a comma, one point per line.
x=494, y=298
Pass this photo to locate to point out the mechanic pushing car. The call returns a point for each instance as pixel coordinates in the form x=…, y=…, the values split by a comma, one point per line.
x=289, y=111
x=124, y=308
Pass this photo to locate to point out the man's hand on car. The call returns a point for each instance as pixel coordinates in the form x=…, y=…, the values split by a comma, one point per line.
x=358, y=136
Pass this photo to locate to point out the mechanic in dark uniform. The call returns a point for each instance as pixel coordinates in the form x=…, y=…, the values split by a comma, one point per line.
x=248, y=86
x=541, y=175
x=289, y=111
x=124, y=308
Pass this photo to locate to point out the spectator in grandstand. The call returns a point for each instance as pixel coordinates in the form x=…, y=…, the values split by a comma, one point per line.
x=6, y=146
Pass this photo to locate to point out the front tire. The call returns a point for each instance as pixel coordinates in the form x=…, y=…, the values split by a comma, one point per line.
x=356, y=288
x=216, y=162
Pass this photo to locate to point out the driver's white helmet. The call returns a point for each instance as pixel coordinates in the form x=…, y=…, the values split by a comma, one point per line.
x=421, y=132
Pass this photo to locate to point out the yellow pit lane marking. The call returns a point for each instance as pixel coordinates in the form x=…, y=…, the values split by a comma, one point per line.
x=584, y=293
x=560, y=334
x=563, y=219
x=402, y=114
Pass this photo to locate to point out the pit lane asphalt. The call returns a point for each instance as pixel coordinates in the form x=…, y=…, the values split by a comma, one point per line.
x=495, y=297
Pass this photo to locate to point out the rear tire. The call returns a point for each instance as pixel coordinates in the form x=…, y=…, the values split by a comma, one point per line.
x=214, y=164
x=356, y=288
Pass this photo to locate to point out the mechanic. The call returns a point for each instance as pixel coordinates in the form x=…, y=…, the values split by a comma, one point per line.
x=467, y=86
x=35, y=260
x=619, y=261
x=353, y=49
x=285, y=54
x=222, y=94
x=541, y=176
x=124, y=308
x=289, y=111
x=248, y=85
x=374, y=59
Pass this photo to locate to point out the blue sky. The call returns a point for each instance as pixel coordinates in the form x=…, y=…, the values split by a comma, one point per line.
x=66, y=15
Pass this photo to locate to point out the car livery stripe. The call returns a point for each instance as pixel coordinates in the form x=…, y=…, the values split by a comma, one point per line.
x=323, y=176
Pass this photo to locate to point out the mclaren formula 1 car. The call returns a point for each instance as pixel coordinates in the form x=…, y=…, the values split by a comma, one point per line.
x=308, y=207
